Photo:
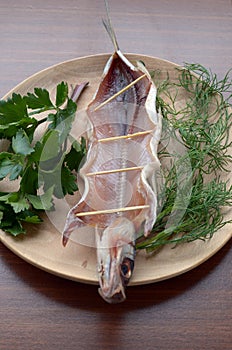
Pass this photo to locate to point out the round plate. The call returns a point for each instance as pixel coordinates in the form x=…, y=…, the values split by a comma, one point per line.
x=42, y=245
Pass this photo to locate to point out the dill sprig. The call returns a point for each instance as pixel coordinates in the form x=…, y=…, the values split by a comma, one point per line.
x=196, y=193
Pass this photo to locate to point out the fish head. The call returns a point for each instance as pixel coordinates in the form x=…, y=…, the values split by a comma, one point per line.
x=115, y=258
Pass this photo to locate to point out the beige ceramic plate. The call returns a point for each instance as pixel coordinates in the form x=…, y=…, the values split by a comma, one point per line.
x=42, y=245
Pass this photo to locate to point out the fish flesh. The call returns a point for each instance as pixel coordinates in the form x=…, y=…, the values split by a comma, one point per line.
x=119, y=198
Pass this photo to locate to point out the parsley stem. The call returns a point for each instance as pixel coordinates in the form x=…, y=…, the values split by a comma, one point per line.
x=41, y=110
x=78, y=89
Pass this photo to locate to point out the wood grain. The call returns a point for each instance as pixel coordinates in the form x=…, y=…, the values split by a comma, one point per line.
x=38, y=310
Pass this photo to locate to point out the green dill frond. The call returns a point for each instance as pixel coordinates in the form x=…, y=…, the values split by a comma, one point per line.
x=202, y=127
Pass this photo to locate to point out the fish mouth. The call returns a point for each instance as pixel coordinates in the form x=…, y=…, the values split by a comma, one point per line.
x=117, y=297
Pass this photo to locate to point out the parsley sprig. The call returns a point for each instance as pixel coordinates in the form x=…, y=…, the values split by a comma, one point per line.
x=24, y=159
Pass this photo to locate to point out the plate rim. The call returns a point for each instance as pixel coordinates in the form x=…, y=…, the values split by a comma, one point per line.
x=55, y=65
x=82, y=279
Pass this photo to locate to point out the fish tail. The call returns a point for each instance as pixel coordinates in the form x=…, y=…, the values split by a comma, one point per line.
x=109, y=28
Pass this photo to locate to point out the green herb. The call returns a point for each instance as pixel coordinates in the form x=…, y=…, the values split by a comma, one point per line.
x=193, y=196
x=28, y=161
x=194, y=208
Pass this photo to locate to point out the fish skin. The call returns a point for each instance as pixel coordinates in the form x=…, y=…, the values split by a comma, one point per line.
x=131, y=112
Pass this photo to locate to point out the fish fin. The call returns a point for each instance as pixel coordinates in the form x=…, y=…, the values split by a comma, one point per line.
x=141, y=66
x=72, y=222
x=109, y=28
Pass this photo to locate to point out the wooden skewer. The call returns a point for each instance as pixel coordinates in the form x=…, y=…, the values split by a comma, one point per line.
x=120, y=92
x=128, y=136
x=114, y=171
x=111, y=211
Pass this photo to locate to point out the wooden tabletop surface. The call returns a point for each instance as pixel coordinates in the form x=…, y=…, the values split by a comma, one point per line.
x=41, y=311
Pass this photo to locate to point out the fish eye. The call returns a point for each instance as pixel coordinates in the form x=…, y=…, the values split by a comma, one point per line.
x=124, y=269
x=127, y=268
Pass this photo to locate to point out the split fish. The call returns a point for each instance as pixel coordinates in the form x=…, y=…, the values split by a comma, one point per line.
x=120, y=197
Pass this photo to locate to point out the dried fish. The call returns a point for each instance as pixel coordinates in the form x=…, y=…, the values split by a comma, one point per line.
x=120, y=197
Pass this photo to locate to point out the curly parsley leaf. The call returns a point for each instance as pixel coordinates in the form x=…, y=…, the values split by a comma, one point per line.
x=21, y=143
x=39, y=166
x=12, y=165
x=50, y=145
x=43, y=202
x=15, y=227
x=13, y=110
x=11, y=222
x=39, y=99
x=68, y=181
x=29, y=180
x=76, y=154
x=61, y=93
x=14, y=115
x=29, y=216
x=16, y=200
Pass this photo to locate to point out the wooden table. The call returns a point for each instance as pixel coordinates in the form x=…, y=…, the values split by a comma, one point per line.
x=41, y=311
